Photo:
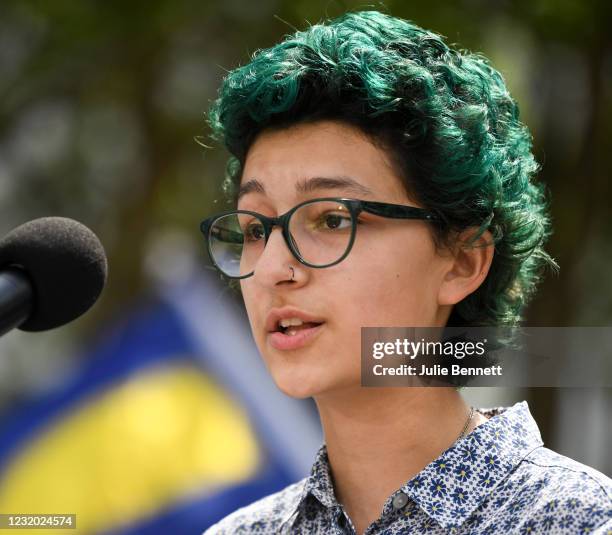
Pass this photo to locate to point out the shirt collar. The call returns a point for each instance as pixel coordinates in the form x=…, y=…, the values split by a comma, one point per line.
x=471, y=468
x=317, y=484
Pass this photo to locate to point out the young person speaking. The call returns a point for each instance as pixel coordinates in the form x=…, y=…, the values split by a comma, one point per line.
x=382, y=178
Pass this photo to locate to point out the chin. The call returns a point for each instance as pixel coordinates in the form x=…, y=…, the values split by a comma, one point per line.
x=297, y=386
x=297, y=389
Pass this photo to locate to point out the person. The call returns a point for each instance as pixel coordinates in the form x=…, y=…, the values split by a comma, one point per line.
x=384, y=178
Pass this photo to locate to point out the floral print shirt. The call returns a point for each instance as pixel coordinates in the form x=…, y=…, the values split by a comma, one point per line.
x=498, y=479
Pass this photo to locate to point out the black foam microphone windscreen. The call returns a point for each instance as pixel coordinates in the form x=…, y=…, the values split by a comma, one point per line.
x=65, y=263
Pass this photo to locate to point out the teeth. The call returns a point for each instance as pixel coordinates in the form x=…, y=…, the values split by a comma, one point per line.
x=288, y=322
x=291, y=333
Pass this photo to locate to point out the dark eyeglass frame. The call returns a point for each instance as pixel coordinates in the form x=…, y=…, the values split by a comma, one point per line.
x=354, y=206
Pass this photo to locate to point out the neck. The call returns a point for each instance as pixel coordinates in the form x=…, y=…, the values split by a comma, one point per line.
x=379, y=438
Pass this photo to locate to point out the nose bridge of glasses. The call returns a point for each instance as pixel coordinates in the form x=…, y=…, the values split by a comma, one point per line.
x=280, y=222
x=275, y=223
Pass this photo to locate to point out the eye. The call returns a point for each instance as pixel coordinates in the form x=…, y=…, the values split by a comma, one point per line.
x=334, y=221
x=254, y=232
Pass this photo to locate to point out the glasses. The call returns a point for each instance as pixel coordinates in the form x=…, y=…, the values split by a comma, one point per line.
x=319, y=232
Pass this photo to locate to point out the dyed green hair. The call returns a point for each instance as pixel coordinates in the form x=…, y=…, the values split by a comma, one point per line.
x=444, y=116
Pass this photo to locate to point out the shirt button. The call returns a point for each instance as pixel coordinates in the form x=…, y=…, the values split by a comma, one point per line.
x=400, y=500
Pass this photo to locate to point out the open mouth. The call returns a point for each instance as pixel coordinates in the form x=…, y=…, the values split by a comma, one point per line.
x=292, y=330
x=290, y=337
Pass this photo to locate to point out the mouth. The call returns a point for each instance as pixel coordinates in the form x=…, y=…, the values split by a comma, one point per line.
x=294, y=336
x=292, y=330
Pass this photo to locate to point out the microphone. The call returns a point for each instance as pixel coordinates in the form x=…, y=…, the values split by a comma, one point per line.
x=52, y=270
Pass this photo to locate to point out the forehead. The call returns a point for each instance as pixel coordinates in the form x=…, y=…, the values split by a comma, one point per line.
x=299, y=161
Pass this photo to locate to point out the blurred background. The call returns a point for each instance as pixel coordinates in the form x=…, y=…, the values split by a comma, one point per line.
x=135, y=416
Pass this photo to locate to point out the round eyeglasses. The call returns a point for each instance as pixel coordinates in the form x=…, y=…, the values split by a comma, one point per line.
x=319, y=232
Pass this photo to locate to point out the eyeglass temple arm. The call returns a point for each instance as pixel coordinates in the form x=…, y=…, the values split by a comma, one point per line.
x=397, y=211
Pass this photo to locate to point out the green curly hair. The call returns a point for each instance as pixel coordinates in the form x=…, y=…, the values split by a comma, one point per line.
x=444, y=116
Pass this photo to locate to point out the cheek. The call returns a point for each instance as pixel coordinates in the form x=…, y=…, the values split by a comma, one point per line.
x=395, y=284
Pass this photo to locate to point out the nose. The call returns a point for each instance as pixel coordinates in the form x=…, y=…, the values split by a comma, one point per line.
x=272, y=266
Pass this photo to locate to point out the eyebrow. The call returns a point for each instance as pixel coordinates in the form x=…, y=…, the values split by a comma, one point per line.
x=309, y=185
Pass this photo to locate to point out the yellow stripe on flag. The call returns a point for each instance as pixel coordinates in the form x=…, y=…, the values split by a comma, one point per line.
x=136, y=448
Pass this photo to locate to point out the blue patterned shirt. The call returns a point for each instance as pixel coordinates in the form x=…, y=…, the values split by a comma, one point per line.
x=499, y=479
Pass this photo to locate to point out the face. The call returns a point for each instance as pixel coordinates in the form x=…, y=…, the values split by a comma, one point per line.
x=391, y=277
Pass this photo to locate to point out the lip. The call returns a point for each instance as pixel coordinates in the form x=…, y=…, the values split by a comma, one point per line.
x=277, y=314
x=284, y=342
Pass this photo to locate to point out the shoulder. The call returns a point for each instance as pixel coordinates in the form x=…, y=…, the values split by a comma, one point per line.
x=568, y=477
x=551, y=491
x=262, y=516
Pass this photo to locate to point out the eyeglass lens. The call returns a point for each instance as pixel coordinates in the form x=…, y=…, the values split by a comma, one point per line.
x=320, y=233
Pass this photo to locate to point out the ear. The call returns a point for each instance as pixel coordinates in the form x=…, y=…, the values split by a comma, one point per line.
x=469, y=266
